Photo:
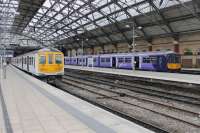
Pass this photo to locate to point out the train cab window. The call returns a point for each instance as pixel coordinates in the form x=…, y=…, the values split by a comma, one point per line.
x=42, y=60
x=58, y=59
x=174, y=58
x=50, y=58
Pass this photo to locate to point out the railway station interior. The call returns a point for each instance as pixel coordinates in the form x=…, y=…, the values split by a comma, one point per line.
x=99, y=66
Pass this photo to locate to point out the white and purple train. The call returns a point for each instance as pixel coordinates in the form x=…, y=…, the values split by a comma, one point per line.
x=153, y=61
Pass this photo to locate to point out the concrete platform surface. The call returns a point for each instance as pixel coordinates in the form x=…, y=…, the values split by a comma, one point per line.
x=177, y=77
x=191, y=69
x=29, y=105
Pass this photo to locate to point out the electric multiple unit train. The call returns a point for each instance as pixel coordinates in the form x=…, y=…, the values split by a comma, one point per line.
x=153, y=61
x=46, y=62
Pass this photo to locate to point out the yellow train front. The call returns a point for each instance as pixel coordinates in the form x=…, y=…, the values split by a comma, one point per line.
x=50, y=64
x=174, y=62
x=47, y=63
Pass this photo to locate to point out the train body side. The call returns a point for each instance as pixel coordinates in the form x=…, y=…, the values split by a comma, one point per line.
x=41, y=63
x=153, y=61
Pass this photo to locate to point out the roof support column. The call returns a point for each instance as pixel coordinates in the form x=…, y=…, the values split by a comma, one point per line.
x=103, y=49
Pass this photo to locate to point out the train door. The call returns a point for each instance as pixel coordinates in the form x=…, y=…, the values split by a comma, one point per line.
x=113, y=62
x=27, y=62
x=136, y=62
x=86, y=61
x=22, y=63
x=161, y=63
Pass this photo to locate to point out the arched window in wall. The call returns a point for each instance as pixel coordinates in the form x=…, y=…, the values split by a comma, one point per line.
x=188, y=51
x=198, y=51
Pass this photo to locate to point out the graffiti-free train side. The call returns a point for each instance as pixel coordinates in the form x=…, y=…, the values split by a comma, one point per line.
x=46, y=63
x=153, y=61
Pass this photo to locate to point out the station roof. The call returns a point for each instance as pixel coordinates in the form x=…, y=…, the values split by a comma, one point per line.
x=97, y=22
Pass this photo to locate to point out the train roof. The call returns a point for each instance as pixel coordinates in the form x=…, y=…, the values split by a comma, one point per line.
x=155, y=53
x=127, y=54
x=116, y=54
x=138, y=53
x=42, y=50
x=49, y=50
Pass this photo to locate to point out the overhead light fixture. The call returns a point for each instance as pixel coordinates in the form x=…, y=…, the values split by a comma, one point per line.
x=127, y=26
x=139, y=27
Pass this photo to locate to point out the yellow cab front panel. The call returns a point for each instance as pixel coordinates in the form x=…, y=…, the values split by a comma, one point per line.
x=174, y=66
x=50, y=62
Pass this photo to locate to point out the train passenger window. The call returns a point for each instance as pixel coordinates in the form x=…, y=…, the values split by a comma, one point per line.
x=146, y=60
x=120, y=60
x=50, y=58
x=33, y=61
x=153, y=59
x=128, y=60
x=107, y=59
x=58, y=59
x=42, y=60
x=95, y=59
x=30, y=60
x=102, y=59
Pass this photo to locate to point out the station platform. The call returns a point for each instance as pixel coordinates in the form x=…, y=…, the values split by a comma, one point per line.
x=175, y=77
x=191, y=69
x=29, y=105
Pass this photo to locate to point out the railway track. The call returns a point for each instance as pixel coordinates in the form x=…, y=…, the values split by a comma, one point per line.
x=109, y=108
x=153, y=91
x=195, y=72
x=173, y=107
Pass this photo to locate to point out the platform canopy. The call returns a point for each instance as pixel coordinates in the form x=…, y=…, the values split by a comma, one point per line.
x=99, y=22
